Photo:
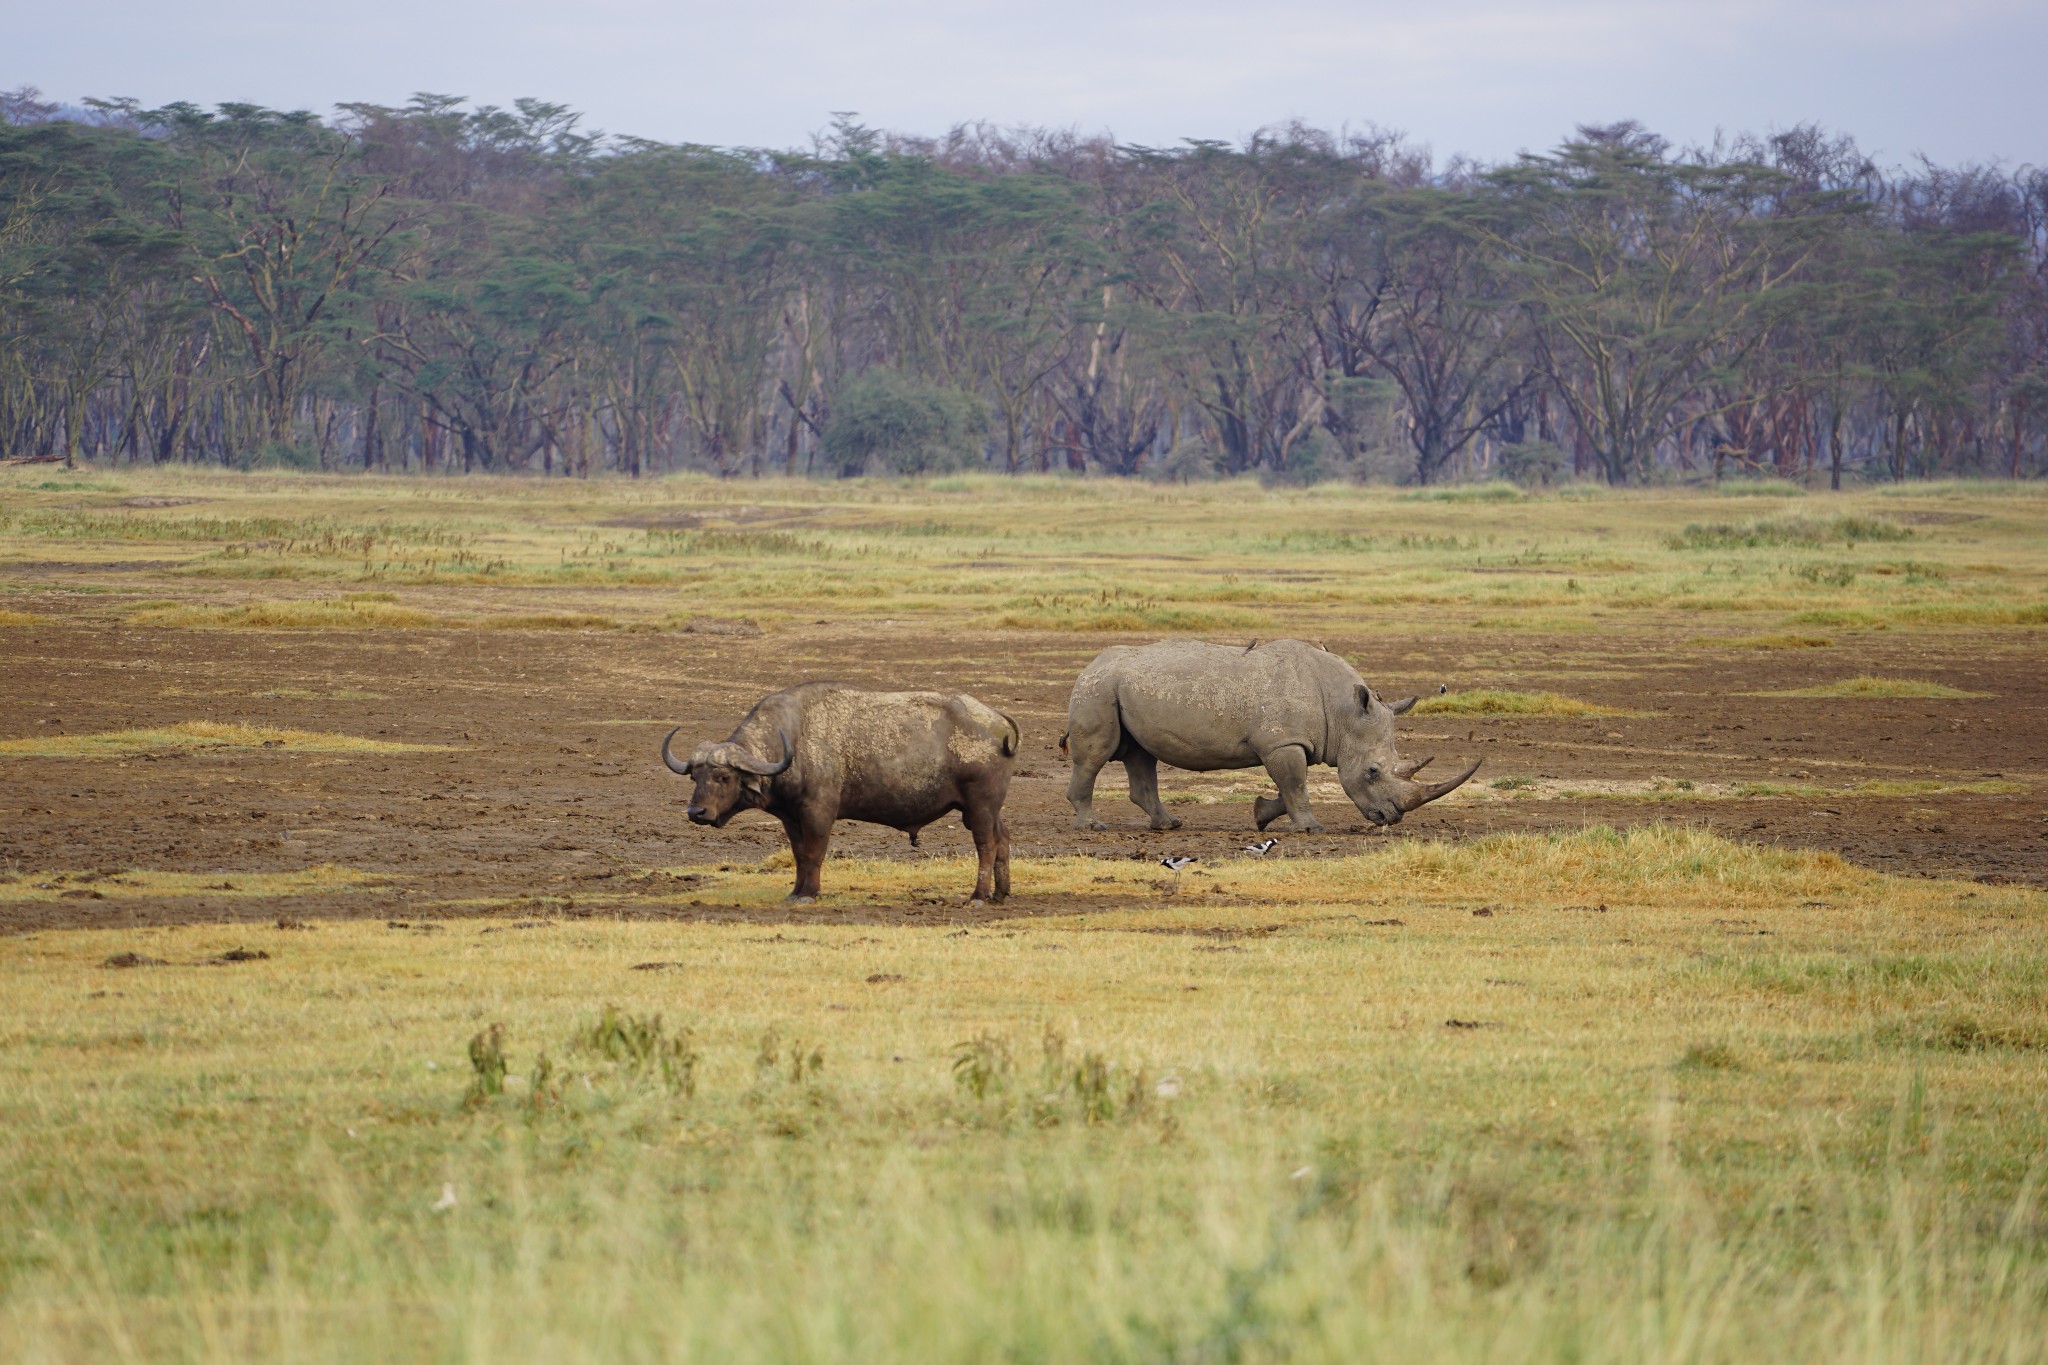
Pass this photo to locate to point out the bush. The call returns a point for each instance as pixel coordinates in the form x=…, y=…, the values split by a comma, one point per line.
x=1533, y=464
x=905, y=424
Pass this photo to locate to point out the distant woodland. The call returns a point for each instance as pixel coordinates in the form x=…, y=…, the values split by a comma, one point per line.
x=445, y=288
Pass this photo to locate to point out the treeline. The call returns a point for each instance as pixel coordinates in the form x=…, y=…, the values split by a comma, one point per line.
x=443, y=288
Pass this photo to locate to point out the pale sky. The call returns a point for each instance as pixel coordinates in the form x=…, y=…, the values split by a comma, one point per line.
x=1954, y=79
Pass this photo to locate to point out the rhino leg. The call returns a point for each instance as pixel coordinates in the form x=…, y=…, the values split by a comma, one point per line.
x=808, y=840
x=1094, y=734
x=1288, y=767
x=1143, y=771
x=991, y=852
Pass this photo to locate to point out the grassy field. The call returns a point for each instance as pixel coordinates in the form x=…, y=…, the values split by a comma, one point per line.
x=1591, y=1097
x=1586, y=1094
x=1054, y=553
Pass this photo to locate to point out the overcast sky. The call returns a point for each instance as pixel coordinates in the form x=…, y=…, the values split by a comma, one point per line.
x=1954, y=79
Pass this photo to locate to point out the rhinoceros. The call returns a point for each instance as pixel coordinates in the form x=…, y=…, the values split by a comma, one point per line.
x=1284, y=704
x=822, y=752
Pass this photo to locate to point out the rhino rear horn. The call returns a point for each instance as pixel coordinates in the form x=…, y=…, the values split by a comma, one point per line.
x=1413, y=766
x=1414, y=794
x=747, y=763
x=668, y=758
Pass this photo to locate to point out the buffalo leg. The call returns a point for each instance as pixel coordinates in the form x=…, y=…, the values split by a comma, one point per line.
x=1002, y=858
x=991, y=851
x=1288, y=767
x=808, y=841
x=1143, y=771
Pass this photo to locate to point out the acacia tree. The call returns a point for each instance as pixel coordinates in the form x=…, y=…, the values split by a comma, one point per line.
x=281, y=222
x=1638, y=270
x=1432, y=315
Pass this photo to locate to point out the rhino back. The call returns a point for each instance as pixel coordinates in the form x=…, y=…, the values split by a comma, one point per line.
x=1202, y=706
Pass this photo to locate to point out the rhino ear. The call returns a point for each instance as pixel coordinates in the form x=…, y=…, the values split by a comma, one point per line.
x=1365, y=699
x=1402, y=707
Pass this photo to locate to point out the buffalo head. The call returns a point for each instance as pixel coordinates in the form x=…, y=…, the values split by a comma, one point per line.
x=729, y=778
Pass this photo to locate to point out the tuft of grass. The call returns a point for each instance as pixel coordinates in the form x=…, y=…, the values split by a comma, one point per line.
x=1759, y=488
x=1509, y=784
x=1787, y=531
x=1502, y=702
x=319, y=614
x=1714, y=1056
x=201, y=734
x=1468, y=492
x=1875, y=687
x=1773, y=640
x=20, y=618
x=1885, y=787
x=550, y=620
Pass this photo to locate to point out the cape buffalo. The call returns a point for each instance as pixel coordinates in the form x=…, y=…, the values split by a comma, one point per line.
x=1284, y=704
x=822, y=752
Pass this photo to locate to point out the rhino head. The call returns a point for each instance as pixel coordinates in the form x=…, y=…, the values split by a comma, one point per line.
x=729, y=778
x=1375, y=777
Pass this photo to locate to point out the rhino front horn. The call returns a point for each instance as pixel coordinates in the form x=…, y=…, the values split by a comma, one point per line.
x=1422, y=793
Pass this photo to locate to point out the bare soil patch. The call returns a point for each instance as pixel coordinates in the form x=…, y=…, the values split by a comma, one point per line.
x=549, y=799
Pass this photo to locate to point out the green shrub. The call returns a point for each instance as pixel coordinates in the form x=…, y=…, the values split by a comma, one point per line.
x=905, y=424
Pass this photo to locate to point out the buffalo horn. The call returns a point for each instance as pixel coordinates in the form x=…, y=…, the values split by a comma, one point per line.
x=747, y=763
x=668, y=758
x=1422, y=793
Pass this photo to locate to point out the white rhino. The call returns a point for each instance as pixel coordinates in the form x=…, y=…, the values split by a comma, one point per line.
x=1282, y=705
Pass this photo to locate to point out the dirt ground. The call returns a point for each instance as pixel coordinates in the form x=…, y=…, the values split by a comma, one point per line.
x=553, y=799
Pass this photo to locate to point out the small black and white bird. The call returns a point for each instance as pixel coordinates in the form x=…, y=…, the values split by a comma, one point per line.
x=1262, y=847
x=1174, y=865
x=1443, y=689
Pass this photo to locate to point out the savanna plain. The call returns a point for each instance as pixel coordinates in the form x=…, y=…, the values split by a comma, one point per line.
x=365, y=996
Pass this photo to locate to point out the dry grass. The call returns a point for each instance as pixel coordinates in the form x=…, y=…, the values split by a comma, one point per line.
x=1876, y=687
x=201, y=734
x=326, y=614
x=145, y=883
x=19, y=618
x=1771, y=641
x=1501, y=702
x=1601, y=1096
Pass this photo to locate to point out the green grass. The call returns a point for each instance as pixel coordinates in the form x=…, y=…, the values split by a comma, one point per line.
x=1337, y=1115
x=1081, y=555
x=1876, y=687
x=1783, y=531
